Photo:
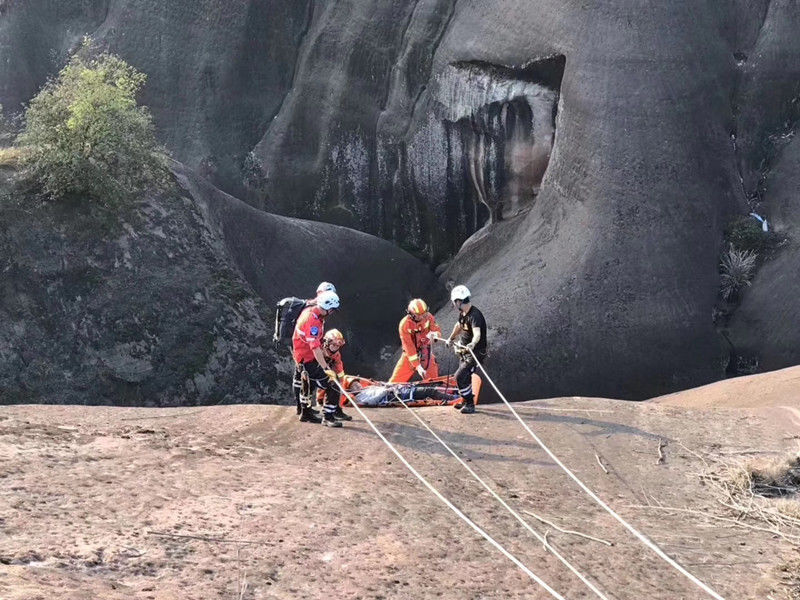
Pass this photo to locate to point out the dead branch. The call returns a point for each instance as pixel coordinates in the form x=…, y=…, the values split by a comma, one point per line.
x=661, y=444
x=204, y=538
x=556, y=527
x=792, y=539
x=600, y=463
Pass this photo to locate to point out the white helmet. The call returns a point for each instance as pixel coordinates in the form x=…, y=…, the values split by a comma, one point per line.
x=460, y=292
x=328, y=300
x=325, y=286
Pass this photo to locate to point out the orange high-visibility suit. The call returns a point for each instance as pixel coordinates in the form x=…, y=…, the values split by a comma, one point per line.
x=416, y=349
x=337, y=366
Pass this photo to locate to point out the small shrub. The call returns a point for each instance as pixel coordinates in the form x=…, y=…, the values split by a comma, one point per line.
x=253, y=173
x=85, y=136
x=736, y=271
x=745, y=233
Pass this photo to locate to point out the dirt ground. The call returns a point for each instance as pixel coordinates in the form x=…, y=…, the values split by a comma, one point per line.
x=245, y=502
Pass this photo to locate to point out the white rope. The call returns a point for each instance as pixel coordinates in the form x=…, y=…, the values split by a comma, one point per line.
x=449, y=504
x=516, y=515
x=644, y=539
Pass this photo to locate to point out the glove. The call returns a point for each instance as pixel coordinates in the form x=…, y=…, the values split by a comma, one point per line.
x=471, y=346
x=421, y=371
x=332, y=375
x=433, y=336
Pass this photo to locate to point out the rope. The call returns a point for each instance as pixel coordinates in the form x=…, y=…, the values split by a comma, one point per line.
x=449, y=504
x=516, y=515
x=644, y=539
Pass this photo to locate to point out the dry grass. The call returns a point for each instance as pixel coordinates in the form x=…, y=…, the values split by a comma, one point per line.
x=764, y=491
x=771, y=479
x=10, y=156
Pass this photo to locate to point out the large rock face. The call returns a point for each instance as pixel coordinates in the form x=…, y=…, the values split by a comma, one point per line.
x=156, y=310
x=605, y=145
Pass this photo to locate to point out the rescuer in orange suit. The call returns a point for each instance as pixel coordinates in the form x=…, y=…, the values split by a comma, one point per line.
x=416, y=329
x=332, y=343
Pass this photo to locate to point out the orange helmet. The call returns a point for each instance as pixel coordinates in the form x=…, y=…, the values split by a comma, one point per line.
x=334, y=336
x=417, y=307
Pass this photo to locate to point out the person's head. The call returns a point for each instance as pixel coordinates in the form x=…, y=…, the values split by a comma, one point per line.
x=460, y=297
x=328, y=302
x=333, y=341
x=355, y=387
x=417, y=309
x=326, y=286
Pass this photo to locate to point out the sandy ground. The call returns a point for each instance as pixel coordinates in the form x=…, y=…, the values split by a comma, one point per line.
x=99, y=502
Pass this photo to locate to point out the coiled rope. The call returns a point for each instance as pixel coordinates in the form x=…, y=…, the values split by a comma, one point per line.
x=516, y=515
x=449, y=504
x=644, y=539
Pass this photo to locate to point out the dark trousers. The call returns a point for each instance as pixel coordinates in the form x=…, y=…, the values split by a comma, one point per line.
x=463, y=376
x=317, y=380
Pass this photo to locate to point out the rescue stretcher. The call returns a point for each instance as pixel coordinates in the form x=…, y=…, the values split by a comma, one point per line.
x=440, y=391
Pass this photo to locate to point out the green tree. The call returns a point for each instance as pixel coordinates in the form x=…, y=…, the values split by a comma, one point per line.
x=85, y=136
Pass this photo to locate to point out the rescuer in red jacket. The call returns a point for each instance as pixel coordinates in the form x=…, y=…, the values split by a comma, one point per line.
x=416, y=330
x=310, y=358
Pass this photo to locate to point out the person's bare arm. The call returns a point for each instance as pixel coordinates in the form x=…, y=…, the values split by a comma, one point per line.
x=456, y=330
x=320, y=357
x=476, y=337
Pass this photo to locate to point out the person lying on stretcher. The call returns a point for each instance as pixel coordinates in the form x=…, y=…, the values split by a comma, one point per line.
x=375, y=393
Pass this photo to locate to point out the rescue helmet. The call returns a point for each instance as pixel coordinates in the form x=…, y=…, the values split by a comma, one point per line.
x=328, y=300
x=334, y=336
x=460, y=293
x=417, y=307
x=325, y=286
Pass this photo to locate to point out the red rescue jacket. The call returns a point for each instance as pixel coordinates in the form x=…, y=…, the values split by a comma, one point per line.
x=308, y=334
x=413, y=336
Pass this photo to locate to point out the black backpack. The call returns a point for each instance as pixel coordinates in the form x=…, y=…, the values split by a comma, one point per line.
x=286, y=313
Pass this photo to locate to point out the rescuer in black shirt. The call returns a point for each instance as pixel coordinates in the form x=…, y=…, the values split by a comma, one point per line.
x=471, y=331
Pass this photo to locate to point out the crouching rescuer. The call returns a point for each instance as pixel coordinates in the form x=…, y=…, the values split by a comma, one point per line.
x=313, y=370
x=331, y=347
x=471, y=332
x=416, y=329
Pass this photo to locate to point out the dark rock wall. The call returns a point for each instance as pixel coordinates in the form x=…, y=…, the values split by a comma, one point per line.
x=166, y=307
x=605, y=144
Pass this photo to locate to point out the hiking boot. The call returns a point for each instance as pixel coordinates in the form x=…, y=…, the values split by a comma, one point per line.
x=309, y=416
x=331, y=423
x=468, y=409
x=459, y=405
x=341, y=415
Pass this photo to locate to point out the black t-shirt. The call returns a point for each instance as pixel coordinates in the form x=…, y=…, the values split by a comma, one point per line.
x=473, y=320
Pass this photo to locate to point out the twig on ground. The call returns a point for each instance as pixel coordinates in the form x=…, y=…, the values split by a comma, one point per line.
x=203, y=538
x=241, y=586
x=587, y=410
x=180, y=414
x=600, y=463
x=661, y=444
x=792, y=539
x=557, y=528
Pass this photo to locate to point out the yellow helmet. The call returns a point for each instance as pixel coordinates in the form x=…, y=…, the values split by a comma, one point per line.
x=417, y=307
x=334, y=335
